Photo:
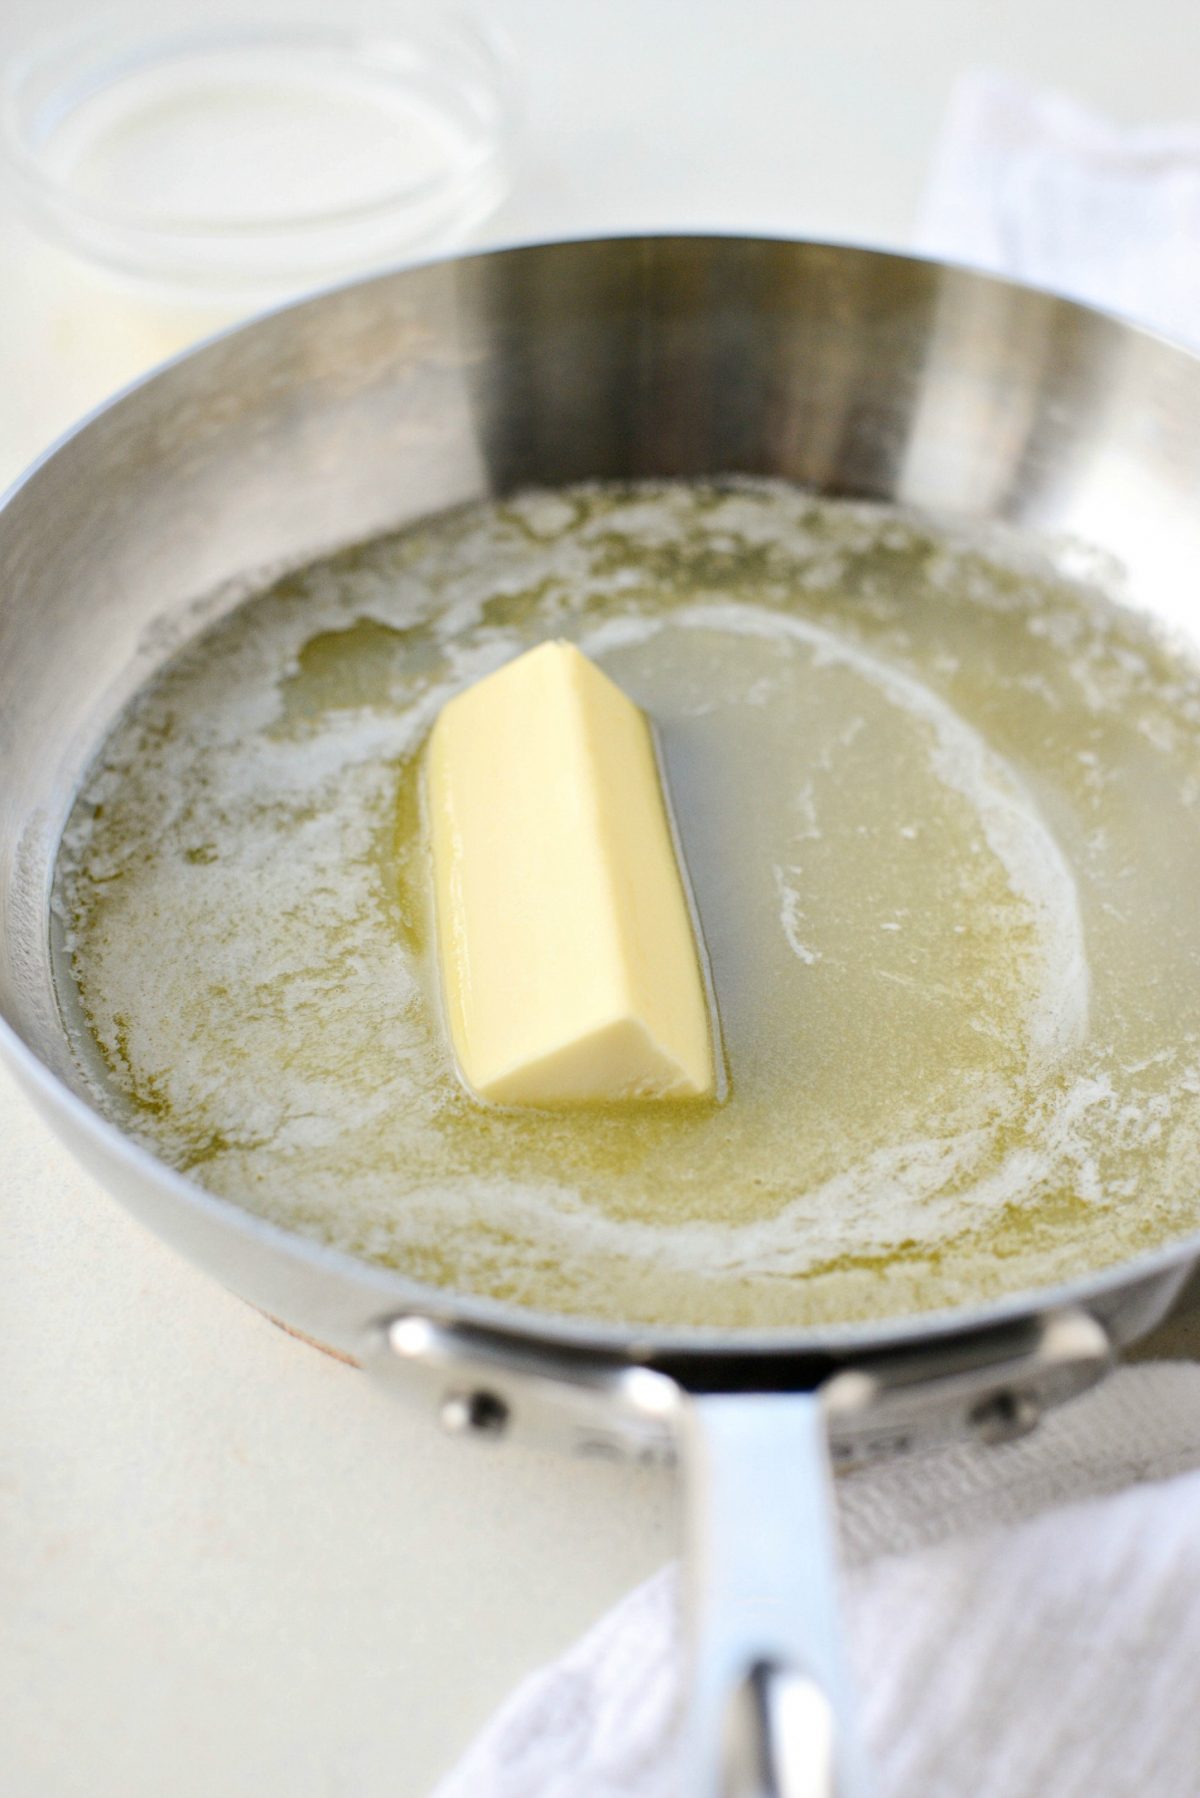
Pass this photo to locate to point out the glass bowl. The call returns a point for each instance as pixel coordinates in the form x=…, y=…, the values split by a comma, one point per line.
x=264, y=152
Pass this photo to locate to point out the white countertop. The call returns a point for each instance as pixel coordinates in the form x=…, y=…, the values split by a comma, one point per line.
x=228, y=1565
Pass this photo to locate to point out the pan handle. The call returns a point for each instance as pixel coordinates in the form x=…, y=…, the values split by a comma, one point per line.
x=771, y=1705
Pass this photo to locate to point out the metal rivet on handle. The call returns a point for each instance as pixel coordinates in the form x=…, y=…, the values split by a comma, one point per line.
x=474, y=1414
x=1003, y=1416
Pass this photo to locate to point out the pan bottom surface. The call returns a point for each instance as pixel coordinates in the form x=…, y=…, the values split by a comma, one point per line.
x=939, y=801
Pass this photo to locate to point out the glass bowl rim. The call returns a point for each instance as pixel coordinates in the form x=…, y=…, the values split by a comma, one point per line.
x=467, y=48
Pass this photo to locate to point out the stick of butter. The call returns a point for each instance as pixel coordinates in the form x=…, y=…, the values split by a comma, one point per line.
x=569, y=964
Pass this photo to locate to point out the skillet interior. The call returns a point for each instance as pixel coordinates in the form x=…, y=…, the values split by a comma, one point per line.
x=849, y=372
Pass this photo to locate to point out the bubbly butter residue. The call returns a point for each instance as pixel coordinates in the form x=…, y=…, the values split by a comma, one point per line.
x=939, y=810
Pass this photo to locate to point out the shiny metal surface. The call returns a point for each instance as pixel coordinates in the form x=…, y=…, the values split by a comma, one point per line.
x=852, y=372
x=771, y=1708
x=994, y=1387
x=480, y=1383
x=992, y=1384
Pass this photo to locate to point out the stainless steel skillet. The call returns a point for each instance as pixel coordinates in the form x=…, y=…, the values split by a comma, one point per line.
x=848, y=371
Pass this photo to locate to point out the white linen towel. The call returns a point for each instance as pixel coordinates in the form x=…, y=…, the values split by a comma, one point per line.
x=1024, y=1620
x=1035, y=186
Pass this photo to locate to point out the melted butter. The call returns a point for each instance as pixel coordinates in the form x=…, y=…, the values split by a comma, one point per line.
x=939, y=809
